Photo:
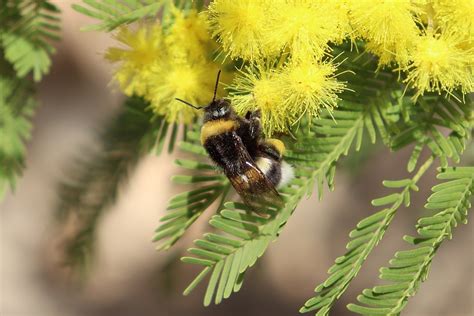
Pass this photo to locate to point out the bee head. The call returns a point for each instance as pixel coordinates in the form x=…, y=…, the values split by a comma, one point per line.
x=217, y=109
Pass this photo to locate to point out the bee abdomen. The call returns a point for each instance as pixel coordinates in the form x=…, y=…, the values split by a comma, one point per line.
x=271, y=168
x=277, y=172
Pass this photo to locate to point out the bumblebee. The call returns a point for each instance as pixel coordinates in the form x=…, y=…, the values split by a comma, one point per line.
x=253, y=165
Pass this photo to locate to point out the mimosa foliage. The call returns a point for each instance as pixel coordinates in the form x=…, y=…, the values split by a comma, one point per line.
x=93, y=183
x=450, y=203
x=27, y=30
x=112, y=14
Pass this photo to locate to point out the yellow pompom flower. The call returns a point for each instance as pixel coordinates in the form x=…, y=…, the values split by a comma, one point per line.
x=456, y=16
x=308, y=87
x=285, y=95
x=241, y=26
x=188, y=36
x=163, y=65
x=257, y=87
x=395, y=52
x=193, y=82
x=143, y=48
x=439, y=65
x=389, y=26
x=188, y=73
x=306, y=26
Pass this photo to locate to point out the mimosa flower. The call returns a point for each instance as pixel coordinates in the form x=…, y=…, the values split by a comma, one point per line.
x=143, y=48
x=439, y=65
x=389, y=26
x=241, y=26
x=258, y=87
x=309, y=87
x=306, y=27
x=456, y=16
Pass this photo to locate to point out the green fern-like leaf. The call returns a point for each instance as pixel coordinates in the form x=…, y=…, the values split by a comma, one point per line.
x=186, y=207
x=409, y=268
x=93, y=181
x=28, y=28
x=112, y=14
x=423, y=123
x=364, y=238
x=423, y=131
x=243, y=237
x=332, y=136
x=16, y=109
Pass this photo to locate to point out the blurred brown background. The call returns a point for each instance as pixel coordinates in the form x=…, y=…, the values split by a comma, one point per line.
x=130, y=278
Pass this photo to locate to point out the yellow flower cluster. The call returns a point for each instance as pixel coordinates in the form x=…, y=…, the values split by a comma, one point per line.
x=285, y=94
x=388, y=27
x=163, y=64
x=285, y=42
x=256, y=29
x=432, y=41
x=285, y=49
x=440, y=64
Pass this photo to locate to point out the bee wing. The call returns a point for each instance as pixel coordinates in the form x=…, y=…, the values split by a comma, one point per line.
x=256, y=190
x=251, y=183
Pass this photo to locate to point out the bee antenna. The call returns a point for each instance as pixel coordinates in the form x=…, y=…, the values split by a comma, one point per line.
x=217, y=84
x=187, y=103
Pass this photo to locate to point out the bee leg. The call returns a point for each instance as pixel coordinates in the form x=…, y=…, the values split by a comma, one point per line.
x=250, y=131
x=255, y=125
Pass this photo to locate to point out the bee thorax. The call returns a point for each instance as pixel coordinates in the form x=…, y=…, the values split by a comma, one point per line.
x=217, y=127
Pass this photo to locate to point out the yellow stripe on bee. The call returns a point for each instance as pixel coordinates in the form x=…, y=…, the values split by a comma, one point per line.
x=217, y=127
x=278, y=144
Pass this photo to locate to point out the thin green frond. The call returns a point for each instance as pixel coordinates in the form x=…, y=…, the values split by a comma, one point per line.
x=364, y=238
x=425, y=122
x=27, y=30
x=16, y=108
x=409, y=268
x=112, y=14
x=92, y=183
x=186, y=207
x=242, y=237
